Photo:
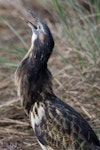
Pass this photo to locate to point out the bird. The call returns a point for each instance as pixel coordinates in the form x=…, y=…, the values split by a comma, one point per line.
x=56, y=124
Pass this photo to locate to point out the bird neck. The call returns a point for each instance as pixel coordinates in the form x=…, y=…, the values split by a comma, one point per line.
x=33, y=81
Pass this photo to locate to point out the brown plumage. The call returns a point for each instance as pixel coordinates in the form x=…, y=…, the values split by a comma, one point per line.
x=56, y=125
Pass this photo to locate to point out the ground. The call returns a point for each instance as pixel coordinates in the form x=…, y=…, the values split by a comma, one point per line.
x=77, y=85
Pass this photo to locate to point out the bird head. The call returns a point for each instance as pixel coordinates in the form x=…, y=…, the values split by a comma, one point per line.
x=42, y=41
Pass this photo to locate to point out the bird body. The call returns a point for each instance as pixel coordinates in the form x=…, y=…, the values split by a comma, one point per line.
x=57, y=125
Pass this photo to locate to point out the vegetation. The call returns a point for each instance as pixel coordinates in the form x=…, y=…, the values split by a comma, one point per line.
x=75, y=63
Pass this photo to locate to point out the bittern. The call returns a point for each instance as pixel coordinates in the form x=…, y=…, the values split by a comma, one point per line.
x=56, y=124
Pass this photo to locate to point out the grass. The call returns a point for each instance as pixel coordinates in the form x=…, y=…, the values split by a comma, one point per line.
x=14, y=31
x=15, y=49
x=74, y=63
x=84, y=39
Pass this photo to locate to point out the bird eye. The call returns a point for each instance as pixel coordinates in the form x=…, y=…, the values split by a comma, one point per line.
x=38, y=27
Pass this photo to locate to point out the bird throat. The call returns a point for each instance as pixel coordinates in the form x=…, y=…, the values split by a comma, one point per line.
x=33, y=81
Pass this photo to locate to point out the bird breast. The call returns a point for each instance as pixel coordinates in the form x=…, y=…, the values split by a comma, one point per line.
x=36, y=114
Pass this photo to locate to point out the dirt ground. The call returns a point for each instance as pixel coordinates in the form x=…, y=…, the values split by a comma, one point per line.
x=69, y=84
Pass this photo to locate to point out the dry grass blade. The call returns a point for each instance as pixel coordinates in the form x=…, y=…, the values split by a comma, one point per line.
x=12, y=131
x=9, y=103
x=8, y=121
x=76, y=76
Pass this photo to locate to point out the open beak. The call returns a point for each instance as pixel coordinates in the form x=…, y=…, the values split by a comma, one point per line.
x=32, y=26
x=38, y=21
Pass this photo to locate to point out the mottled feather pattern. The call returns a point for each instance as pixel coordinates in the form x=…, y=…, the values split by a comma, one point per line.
x=63, y=125
x=56, y=125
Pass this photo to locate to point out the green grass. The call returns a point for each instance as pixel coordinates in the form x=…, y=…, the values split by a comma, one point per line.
x=86, y=34
x=7, y=62
x=89, y=43
x=81, y=29
x=14, y=31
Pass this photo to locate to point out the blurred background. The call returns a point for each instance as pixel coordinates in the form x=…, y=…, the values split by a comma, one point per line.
x=75, y=62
